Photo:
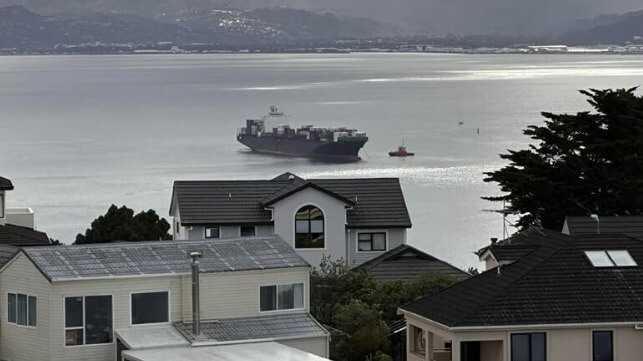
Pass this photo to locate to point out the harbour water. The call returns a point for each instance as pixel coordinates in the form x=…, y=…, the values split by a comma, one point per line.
x=78, y=133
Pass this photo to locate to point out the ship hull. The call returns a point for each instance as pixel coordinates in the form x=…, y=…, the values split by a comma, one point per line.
x=346, y=151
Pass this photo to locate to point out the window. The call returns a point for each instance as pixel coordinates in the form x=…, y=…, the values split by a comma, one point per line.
x=247, y=231
x=281, y=297
x=22, y=309
x=152, y=307
x=418, y=343
x=309, y=228
x=212, y=232
x=371, y=241
x=1, y=205
x=528, y=346
x=88, y=320
x=613, y=258
x=602, y=349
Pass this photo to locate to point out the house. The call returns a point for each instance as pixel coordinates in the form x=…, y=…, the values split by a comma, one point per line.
x=353, y=219
x=630, y=225
x=125, y=301
x=17, y=224
x=569, y=298
x=407, y=263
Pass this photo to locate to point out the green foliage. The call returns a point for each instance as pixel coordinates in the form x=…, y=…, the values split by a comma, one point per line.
x=353, y=302
x=368, y=332
x=120, y=224
x=584, y=163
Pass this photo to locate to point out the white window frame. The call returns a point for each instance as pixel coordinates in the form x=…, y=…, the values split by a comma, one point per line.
x=386, y=247
x=65, y=328
x=27, y=315
x=294, y=228
x=255, y=228
x=303, y=303
x=205, y=232
x=169, y=308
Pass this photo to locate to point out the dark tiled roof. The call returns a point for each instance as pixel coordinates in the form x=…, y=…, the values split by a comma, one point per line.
x=554, y=284
x=630, y=225
x=299, y=325
x=406, y=263
x=508, y=252
x=7, y=252
x=5, y=184
x=162, y=257
x=22, y=236
x=378, y=202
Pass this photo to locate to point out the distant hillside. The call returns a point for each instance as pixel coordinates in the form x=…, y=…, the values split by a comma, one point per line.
x=24, y=29
x=608, y=29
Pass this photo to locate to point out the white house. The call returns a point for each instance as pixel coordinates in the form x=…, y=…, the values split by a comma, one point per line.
x=122, y=301
x=353, y=219
x=17, y=224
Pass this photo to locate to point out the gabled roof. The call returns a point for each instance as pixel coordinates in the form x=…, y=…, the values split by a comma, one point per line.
x=272, y=327
x=376, y=202
x=509, y=252
x=5, y=184
x=630, y=225
x=554, y=284
x=7, y=252
x=405, y=262
x=113, y=260
x=22, y=236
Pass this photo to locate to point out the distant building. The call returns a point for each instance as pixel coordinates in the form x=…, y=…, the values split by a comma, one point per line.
x=565, y=298
x=353, y=219
x=17, y=224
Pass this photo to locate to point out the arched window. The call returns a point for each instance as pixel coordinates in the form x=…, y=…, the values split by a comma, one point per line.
x=309, y=227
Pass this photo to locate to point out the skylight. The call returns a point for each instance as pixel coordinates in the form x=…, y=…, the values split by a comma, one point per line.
x=613, y=258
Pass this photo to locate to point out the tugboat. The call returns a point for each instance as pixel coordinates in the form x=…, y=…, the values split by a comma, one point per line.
x=342, y=144
x=401, y=152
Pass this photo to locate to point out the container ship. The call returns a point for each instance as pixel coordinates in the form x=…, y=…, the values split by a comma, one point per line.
x=306, y=141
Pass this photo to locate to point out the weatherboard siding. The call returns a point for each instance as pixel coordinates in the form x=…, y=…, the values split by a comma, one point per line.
x=394, y=238
x=18, y=342
x=315, y=345
x=236, y=294
x=120, y=289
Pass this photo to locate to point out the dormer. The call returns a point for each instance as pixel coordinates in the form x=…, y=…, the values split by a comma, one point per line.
x=5, y=185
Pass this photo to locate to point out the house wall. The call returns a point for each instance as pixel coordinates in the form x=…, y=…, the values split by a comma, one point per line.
x=236, y=294
x=120, y=289
x=394, y=238
x=198, y=232
x=334, y=223
x=19, y=342
x=316, y=345
x=573, y=343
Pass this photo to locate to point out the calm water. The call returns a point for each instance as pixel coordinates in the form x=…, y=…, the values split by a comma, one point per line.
x=78, y=133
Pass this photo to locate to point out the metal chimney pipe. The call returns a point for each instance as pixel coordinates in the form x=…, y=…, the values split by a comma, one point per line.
x=196, y=312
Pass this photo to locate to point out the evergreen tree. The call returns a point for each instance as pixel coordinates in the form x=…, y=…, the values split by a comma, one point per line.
x=581, y=164
x=120, y=224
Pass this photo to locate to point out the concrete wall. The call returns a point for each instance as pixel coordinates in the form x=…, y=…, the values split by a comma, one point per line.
x=334, y=223
x=317, y=345
x=394, y=238
x=20, y=342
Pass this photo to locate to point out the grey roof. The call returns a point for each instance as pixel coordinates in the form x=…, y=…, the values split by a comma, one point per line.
x=405, y=262
x=162, y=257
x=273, y=327
x=150, y=336
x=7, y=252
x=22, y=236
x=554, y=284
x=5, y=184
x=630, y=225
x=376, y=202
x=509, y=252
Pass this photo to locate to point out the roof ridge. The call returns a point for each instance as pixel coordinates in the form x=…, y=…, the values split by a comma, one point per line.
x=167, y=242
x=513, y=264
